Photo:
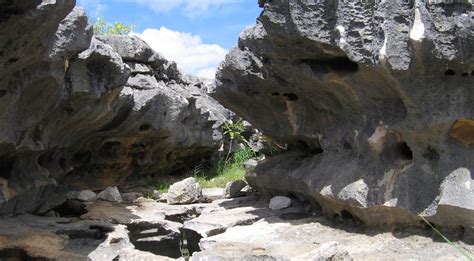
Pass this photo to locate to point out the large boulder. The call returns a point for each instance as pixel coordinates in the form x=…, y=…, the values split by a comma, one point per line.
x=82, y=112
x=373, y=99
x=186, y=191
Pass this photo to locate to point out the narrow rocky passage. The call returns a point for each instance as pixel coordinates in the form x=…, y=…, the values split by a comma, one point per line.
x=357, y=118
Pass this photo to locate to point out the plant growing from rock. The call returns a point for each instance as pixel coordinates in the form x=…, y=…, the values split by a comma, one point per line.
x=234, y=132
x=101, y=27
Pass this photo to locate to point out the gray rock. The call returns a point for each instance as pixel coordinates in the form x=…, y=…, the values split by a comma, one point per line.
x=250, y=164
x=130, y=48
x=355, y=194
x=73, y=35
x=234, y=189
x=279, y=202
x=186, y=191
x=357, y=92
x=137, y=68
x=110, y=194
x=130, y=197
x=83, y=195
x=87, y=128
x=213, y=193
x=141, y=81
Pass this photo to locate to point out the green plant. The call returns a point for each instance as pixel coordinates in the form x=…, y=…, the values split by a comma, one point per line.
x=454, y=245
x=234, y=132
x=101, y=27
x=219, y=175
x=220, y=172
x=242, y=155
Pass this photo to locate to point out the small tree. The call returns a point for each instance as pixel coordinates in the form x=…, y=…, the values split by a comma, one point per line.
x=101, y=27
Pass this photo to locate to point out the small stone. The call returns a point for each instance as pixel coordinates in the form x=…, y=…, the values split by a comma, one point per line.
x=83, y=195
x=131, y=196
x=142, y=200
x=157, y=195
x=233, y=189
x=213, y=193
x=186, y=191
x=279, y=202
x=250, y=164
x=110, y=194
x=51, y=213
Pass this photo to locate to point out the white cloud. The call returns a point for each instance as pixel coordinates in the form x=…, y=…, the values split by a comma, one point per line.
x=187, y=50
x=95, y=8
x=191, y=8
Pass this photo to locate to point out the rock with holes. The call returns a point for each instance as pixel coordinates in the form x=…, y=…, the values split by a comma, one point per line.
x=102, y=110
x=279, y=202
x=372, y=101
x=234, y=188
x=110, y=194
x=186, y=191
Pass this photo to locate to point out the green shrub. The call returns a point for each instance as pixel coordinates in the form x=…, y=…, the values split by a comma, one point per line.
x=101, y=27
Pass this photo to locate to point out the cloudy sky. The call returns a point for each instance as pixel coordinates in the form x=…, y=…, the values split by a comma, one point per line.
x=196, y=34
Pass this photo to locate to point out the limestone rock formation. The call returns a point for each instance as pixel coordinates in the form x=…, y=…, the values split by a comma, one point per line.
x=82, y=112
x=375, y=100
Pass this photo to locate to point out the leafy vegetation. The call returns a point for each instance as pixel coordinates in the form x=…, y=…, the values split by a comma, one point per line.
x=234, y=132
x=221, y=172
x=101, y=27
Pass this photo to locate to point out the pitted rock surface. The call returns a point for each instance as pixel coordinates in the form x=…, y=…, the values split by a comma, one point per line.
x=373, y=98
x=82, y=112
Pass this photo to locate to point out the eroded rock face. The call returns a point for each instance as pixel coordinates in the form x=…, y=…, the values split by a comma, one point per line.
x=373, y=99
x=82, y=112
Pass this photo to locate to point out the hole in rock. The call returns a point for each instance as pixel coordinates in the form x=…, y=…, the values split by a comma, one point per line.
x=71, y=208
x=93, y=232
x=431, y=154
x=83, y=240
x=11, y=61
x=144, y=127
x=340, y=65
x=449, y=72
x=464, y=74
x=472, y=73
x=3, y=93
x=346, y=215
x=190, y=240
x=347, y=145
x=265, y=60
x=62, y=163
x=182, y=217
x=82, y=157
x=108, y=148
x=6, y=167
x=294, y=216
x=309, y=148
x=156, y=239
x=275, y=94
x=404, y=151
x=17, y=254
x=291, y=96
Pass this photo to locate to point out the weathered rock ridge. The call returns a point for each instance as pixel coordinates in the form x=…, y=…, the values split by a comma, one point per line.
x=88, y=112
x=375, y=100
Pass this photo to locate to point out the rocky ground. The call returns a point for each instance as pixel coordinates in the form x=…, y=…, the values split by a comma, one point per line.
x=225, y=229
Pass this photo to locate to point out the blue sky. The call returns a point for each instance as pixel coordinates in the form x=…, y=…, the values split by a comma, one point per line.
x=194, y=33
